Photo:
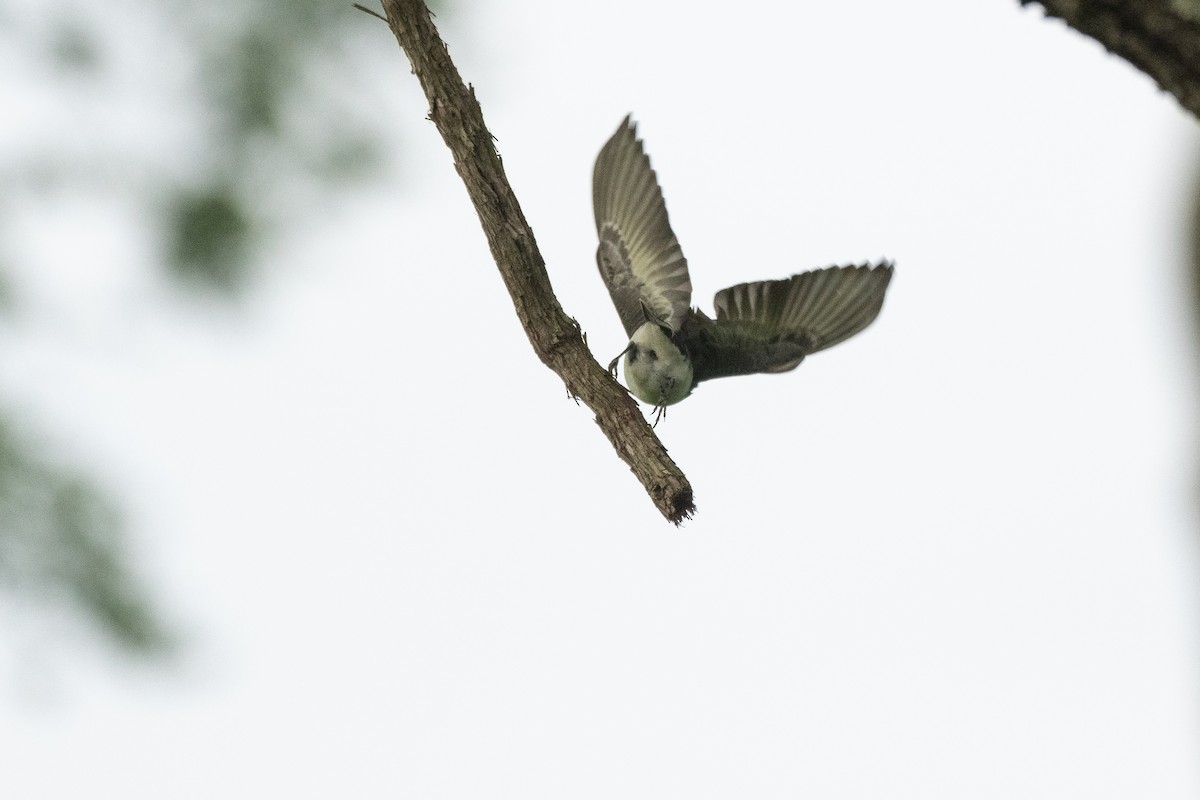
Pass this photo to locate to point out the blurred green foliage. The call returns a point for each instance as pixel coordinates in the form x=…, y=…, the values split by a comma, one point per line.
x=266, y=126
x=275, y=121
x=61, y=542
x=210, y=237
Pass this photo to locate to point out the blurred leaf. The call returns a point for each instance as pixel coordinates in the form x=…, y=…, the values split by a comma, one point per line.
x=59, y=541
x=254, y=81
x=210, y=238
x=92, y=566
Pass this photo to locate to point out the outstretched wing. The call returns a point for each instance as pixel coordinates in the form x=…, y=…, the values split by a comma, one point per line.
x=770, y=326
x=640, y=260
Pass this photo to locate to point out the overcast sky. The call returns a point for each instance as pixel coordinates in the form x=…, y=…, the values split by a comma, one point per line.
x=953, y=557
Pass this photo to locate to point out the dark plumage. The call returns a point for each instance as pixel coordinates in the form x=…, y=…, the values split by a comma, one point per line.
x=764, y=326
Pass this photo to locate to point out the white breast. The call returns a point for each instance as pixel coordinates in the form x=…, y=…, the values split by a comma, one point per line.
x=656, y=371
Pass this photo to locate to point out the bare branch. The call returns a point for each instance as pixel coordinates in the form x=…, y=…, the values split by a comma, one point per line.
x=555, y=337
x=1159, y=37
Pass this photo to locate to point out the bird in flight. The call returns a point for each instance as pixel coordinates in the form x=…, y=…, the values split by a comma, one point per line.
x=764, y=326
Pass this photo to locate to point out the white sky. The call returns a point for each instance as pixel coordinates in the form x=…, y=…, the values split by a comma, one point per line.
x=953, y=557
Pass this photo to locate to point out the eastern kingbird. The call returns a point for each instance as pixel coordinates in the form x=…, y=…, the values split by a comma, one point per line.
x=766, y=326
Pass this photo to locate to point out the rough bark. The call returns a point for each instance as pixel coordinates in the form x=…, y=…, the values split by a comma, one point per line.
x=1159, y=37
x=555, y=337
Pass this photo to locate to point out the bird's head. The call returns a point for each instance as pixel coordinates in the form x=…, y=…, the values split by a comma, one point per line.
x=656, y=371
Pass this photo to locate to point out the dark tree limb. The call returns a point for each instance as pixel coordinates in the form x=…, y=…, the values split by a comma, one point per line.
x=1159, y=37
x=555, y=337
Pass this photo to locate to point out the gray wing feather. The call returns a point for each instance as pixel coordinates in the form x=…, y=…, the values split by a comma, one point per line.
x=770, y=326
x=639, y=257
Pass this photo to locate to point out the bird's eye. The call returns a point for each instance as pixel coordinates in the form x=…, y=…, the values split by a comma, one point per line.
x=653, y=355
x=633, y=352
